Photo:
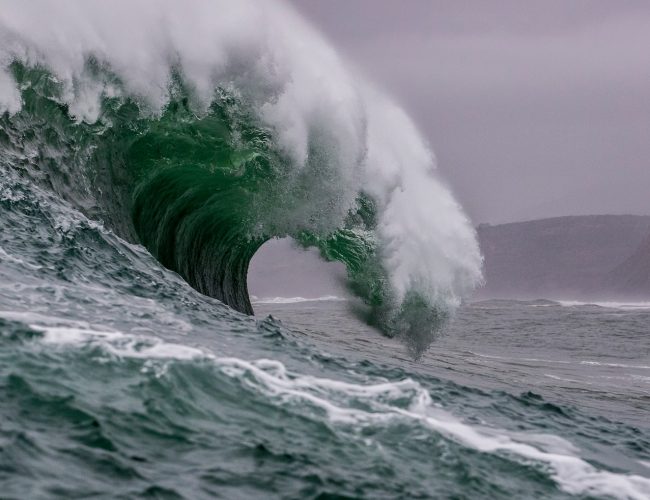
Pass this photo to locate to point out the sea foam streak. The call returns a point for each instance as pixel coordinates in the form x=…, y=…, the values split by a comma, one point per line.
x=368, y=405
x=627, y=306
x=338, y=137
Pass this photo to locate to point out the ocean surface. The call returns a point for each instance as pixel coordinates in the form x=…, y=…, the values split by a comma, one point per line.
x=148, y=149
x=119, y=380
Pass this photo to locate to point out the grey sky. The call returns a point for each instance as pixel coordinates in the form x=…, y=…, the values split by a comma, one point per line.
x=534, y=108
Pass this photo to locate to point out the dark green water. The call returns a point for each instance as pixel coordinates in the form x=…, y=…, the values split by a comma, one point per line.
x=118, y=380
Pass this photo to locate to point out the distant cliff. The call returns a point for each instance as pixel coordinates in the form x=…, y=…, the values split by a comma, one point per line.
x=583, y=256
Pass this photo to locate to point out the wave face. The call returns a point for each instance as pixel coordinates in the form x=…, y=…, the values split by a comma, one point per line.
x=203, y=129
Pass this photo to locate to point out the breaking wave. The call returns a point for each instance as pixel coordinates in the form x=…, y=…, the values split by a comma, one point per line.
x=204, y=130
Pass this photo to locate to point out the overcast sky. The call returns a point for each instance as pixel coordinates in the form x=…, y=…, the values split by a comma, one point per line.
x=533, y=108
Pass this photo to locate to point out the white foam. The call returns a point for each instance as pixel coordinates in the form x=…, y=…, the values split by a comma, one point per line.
x=428, y=242
x=629, y=306
x=16, y=260
x=41, y=319
x=510, y=359
x=615, y=365
x=385, y=401
x=117, y=343
x=74, y=333
x=563, y=379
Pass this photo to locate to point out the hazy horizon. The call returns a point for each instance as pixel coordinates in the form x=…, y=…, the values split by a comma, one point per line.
x=533, y=109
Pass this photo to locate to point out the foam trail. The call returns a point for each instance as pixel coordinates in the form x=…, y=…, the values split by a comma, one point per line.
x=386, y=402
x=626, y=306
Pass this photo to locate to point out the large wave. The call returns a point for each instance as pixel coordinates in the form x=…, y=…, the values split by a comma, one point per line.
x=203, y=129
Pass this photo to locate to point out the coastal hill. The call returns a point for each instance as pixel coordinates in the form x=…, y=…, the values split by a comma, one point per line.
x=632, y=277
x=596, y=256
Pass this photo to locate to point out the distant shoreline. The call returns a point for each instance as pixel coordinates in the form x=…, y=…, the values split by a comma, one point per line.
x=590, y=257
